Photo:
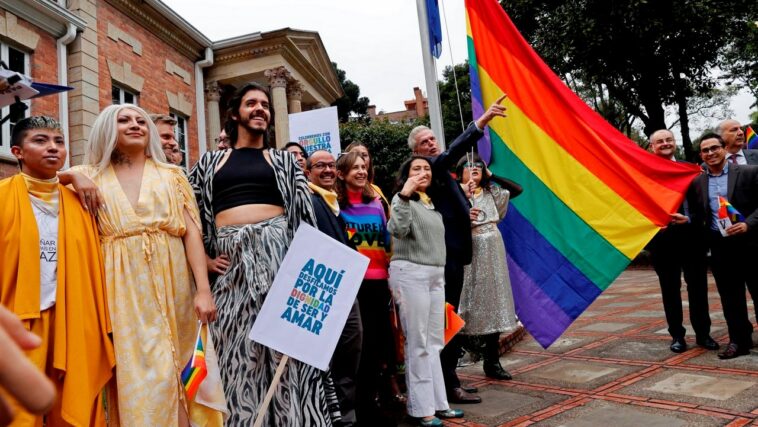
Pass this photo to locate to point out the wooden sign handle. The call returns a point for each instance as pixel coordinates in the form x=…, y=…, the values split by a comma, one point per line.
x=270, y=393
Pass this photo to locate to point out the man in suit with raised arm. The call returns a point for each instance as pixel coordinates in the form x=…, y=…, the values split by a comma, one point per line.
x=451, y=202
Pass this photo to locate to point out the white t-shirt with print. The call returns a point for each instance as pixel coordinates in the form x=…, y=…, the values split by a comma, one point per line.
x=47, y=224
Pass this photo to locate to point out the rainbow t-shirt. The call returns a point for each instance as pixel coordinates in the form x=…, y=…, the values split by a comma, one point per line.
x=366, y=226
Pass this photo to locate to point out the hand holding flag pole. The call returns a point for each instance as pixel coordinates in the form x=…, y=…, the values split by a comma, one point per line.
x=731, y=221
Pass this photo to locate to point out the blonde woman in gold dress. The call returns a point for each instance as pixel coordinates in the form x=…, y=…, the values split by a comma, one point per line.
x=152, y=250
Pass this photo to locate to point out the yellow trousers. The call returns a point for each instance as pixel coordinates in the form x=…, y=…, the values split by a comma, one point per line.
x=42, y=358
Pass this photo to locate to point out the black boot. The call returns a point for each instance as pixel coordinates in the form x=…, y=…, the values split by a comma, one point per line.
x=492, y=367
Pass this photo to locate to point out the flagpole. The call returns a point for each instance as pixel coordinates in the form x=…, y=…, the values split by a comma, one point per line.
x=430, y=74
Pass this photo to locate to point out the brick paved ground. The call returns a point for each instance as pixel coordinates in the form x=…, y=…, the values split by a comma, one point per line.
x=614, y=366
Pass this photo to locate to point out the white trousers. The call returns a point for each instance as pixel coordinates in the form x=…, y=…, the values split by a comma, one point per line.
x=419, y=290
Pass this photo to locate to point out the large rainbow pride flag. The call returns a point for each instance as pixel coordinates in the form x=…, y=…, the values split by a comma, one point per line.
x=592, y=198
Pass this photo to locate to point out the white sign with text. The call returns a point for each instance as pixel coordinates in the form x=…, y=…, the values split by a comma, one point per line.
x=316, y=130
x=311, y=297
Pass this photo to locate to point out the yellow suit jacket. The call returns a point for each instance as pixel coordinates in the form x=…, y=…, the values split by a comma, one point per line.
x=83, y=352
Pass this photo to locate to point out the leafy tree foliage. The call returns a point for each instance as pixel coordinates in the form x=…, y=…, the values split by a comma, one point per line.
x=454, y=119
x=387, y=142
x=741, y=58
x=352, y=102
x=646, y=54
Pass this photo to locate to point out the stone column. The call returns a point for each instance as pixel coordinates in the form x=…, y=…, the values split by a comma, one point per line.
x=294, y=95
x=213, y=96
x=277, y=79
x=83, y=71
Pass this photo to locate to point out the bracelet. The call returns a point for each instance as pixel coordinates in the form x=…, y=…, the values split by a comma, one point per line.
x=402, y=197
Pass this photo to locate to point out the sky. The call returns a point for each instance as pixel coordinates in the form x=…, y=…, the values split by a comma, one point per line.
x=377, y=43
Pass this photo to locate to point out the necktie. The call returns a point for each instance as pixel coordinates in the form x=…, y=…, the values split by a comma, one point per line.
x=733, y=158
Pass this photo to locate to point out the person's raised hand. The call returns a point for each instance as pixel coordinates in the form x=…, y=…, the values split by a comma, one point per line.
x=471, y=188
x=495, y=110
x=411, y=184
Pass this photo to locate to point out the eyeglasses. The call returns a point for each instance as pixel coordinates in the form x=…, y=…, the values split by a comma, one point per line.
x=322, y=165
x=711, y=149
x=478, y=165
x=220, y=140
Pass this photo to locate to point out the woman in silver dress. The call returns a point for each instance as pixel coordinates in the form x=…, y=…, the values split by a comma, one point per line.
x=487, y=300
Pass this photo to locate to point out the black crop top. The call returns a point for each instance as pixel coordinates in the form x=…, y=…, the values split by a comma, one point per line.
x=245, y=179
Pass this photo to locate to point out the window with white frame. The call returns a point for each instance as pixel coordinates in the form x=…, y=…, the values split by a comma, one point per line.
x=120, y=95
x=180, y=133
x=18, y=61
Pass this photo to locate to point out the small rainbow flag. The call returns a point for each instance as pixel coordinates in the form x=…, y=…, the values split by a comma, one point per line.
x=195, y=371
x=726, y=210
x=751, y=138
x=592, y=197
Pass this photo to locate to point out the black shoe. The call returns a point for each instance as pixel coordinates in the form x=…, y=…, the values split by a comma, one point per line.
x=470, y=389
x=458, y=395
x=678, y=345
x=708, y=343
x=496, y=371
x=732, y=350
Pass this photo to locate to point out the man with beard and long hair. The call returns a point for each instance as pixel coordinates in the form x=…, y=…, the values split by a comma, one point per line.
x=252, y=198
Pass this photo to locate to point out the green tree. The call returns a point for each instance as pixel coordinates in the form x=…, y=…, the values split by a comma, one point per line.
x=387, y=142
x=451, y=115
x=352, y=103
x=646, y=54
x=741, y=58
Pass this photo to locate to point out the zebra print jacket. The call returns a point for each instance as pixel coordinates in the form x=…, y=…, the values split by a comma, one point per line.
x=289, y=179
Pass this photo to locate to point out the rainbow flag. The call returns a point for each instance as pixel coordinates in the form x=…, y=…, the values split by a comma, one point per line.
x=195, y=371
x=726, y=210
x=592, y=198
x=751, y=139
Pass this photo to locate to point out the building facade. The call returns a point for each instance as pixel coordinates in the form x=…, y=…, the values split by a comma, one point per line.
x=142, y=52
x=415, y=108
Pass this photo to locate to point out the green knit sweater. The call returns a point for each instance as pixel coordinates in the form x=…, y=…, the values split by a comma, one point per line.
x=418, y=234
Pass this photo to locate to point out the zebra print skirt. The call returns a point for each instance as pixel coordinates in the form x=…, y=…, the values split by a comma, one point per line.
x=305, y=396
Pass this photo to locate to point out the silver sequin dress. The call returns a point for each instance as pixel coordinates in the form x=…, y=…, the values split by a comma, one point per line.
x=487, y=300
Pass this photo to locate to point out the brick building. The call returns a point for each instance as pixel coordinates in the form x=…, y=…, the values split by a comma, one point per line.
x=141, y=51
x=414, y=108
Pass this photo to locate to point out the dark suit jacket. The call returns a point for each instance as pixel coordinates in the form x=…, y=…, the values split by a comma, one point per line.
x=690, y=237
x=751, y=156
x=742, y=193
x=328, y=223
x=449, y=199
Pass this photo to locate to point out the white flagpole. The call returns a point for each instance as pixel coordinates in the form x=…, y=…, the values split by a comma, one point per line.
x=430, y=74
